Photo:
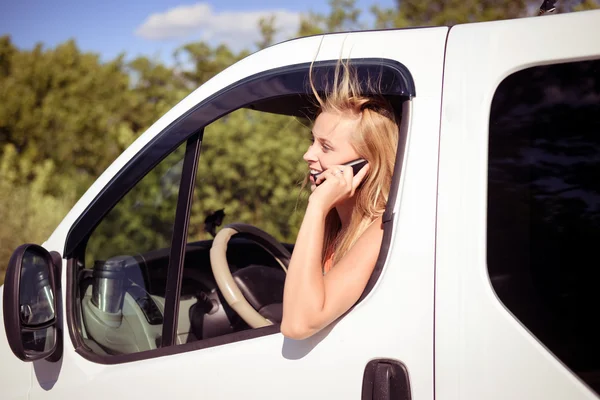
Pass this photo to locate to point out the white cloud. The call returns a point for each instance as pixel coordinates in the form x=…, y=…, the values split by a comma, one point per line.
x=238, y=29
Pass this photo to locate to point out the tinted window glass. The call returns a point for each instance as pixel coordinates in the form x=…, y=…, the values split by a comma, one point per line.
x=122, y=287
x=544, y=207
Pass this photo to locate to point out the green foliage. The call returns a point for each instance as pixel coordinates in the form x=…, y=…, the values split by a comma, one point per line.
x=28, y=213
x=451, y=12
x=577, y=5
x=155, y=89
x=267, y=31
x=65, y=116
x=143, y=220
x=251, y=165
x=63, y=105
x=201, y=62
x=344, y=16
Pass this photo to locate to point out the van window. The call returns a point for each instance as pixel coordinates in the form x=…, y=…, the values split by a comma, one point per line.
x=122, y=285
x=544, y=208
x=250, y=171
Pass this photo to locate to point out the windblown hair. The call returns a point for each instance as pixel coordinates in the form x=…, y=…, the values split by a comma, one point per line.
x=375, y=139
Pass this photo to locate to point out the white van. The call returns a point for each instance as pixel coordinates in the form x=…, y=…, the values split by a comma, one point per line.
x=486, y=286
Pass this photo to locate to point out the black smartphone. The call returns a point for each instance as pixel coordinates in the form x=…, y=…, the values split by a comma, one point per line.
x=355, y=164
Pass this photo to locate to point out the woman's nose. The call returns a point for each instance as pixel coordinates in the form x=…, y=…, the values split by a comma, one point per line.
x=309, y=155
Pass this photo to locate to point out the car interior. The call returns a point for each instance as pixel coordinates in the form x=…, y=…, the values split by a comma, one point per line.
x=136, y=323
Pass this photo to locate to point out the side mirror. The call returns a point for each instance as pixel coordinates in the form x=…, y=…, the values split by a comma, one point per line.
x=30, y=311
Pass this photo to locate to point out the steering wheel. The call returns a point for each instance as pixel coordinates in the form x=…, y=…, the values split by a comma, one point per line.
x=225, y=281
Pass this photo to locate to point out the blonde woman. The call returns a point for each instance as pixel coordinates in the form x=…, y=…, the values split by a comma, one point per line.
x=340, y=237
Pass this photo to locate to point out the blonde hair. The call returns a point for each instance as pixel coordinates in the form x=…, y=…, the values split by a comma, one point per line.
x=375, y=139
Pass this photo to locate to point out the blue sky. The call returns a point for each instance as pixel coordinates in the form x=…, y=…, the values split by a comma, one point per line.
x=152, y=28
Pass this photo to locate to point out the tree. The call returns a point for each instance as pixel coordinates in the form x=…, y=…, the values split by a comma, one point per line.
x=440, y=12
x=267, y=31
x=7, y=50
x=65, y=117
x=451, y=12
x=142, y=220
x=201, y=62
x=154, y=90
x=344, y=16
x=576, y=5
x=251, y=165
x=28, y=213
x=63, y=105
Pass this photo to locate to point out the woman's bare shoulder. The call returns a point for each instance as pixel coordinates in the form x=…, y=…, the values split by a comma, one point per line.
x=369, y=243
x=375, y=229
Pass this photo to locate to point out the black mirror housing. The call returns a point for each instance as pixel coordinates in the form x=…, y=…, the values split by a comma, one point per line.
x=30, y=304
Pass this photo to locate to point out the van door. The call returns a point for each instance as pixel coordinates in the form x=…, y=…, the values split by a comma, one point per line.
x=393, y=322
x=518, y=227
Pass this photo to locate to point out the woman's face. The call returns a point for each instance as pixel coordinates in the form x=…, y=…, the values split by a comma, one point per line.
x=331, y=142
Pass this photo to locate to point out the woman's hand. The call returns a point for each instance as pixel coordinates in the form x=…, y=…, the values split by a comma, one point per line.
x=335, y=185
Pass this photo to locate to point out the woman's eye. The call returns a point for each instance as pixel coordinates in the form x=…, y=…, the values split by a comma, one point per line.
x=324, y=146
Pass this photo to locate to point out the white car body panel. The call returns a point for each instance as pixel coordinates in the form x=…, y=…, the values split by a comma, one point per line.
x=482, y=351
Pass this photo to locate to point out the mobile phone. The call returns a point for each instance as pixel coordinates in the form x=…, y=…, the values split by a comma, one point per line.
x=355, y=164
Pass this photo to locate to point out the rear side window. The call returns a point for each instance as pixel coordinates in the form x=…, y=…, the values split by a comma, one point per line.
x=543, y=231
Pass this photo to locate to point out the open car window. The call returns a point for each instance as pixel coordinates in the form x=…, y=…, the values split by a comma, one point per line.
x=142, y=280
x=251, y=172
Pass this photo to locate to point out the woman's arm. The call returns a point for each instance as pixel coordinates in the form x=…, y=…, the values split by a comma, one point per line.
x=304, y=292
x=312, y=301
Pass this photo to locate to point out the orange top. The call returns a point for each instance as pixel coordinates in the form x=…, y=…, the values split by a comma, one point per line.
x=328, y=264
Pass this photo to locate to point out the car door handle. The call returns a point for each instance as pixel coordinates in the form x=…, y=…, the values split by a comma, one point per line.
x=385, y=380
